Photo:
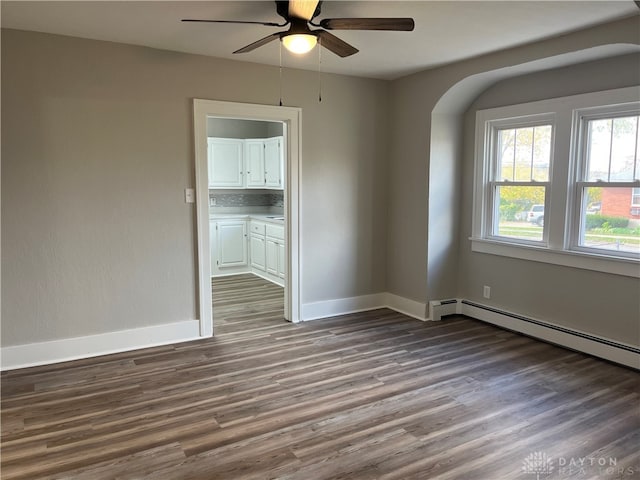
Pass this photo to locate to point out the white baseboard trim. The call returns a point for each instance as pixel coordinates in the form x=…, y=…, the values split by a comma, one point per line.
x=341, y=306
x=268, y=278
x=42, y=353
x=21, y=356
x=597, y=346
x=363, y=303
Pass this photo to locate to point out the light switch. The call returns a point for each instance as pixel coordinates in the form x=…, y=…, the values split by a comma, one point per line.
x=189, y=195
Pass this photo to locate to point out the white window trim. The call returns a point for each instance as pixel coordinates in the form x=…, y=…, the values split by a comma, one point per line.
x=492, y=126
x=558, y=248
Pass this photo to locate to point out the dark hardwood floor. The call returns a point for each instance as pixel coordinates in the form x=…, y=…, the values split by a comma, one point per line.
x=374, y=395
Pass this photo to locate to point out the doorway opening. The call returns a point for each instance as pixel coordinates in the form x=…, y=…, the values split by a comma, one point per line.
x=246, y=213
x=234, y=185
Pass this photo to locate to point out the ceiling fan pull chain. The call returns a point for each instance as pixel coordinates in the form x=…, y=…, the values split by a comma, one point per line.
x=280, y=72
x=319, y=72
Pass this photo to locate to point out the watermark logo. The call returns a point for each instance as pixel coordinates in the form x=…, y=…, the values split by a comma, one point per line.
x=537, y=463
x=542, y=466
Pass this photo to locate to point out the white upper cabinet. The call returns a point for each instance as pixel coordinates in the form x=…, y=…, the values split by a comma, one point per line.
x=254, y=161
x=250, y=163
x=226, y=163
x=273, y=162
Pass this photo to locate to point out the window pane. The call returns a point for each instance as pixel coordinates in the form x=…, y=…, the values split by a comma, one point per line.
x=610, y=221
x=524, y=148
x=506, y=144
x=623, y=148
x=520, y=212
x=612, y=149
x=598, y=149
x=542, y=153
x=524, y=154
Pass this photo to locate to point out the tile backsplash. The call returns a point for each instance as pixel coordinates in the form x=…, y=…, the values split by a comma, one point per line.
x=246, y=199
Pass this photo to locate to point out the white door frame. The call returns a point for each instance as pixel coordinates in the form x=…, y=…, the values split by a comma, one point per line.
x=291, y=117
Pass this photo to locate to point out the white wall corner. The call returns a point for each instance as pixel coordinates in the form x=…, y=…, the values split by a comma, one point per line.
x=412, y=308
x=43, y=353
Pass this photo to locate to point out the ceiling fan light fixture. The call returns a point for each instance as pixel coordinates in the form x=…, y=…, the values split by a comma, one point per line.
x=299, y=43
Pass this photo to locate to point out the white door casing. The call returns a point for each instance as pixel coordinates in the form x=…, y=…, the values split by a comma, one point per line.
x=291, y=118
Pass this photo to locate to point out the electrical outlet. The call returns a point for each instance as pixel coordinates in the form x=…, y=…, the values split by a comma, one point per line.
x=486, y=292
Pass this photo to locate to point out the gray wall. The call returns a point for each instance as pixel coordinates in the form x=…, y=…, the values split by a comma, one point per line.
x=598, y=303
x=97, y=148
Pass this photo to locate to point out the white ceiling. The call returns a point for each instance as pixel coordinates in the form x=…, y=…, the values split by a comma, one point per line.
x=446, y=31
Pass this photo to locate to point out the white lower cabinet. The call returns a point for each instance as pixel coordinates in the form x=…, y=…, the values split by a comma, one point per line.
x=228, y=246
x=241, y=246
x=281, y=257
x=272, y=256
x=274, y=236
x=258, y=253
x=267, y=251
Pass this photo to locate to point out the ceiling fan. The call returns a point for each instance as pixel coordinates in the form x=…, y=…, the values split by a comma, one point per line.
x=301, y=38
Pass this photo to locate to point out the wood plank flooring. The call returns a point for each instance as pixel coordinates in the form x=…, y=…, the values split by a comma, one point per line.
x=374, y=395
x=245, y=303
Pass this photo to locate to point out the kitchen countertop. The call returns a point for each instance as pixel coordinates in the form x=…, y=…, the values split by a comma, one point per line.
x=263, y=217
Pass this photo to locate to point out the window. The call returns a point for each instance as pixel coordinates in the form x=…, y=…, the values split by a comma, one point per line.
x=520, y=171
x=558, y=181
x=608, y=166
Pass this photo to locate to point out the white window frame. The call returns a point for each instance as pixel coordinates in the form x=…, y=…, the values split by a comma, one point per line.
x=581, y=117
x=559, y=237
x=491, y=206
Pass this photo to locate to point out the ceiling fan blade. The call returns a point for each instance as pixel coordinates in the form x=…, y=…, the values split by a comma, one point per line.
x=396, y=24
x=267, y=24
x=333, y=43
x=304, y=9
x=259, y=43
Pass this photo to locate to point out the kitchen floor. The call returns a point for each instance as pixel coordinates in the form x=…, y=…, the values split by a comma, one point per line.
x=246, y=302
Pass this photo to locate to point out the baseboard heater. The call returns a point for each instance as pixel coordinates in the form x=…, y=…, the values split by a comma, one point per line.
x=624, y=354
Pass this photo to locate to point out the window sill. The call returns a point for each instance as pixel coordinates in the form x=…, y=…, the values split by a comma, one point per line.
x=616, y=265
